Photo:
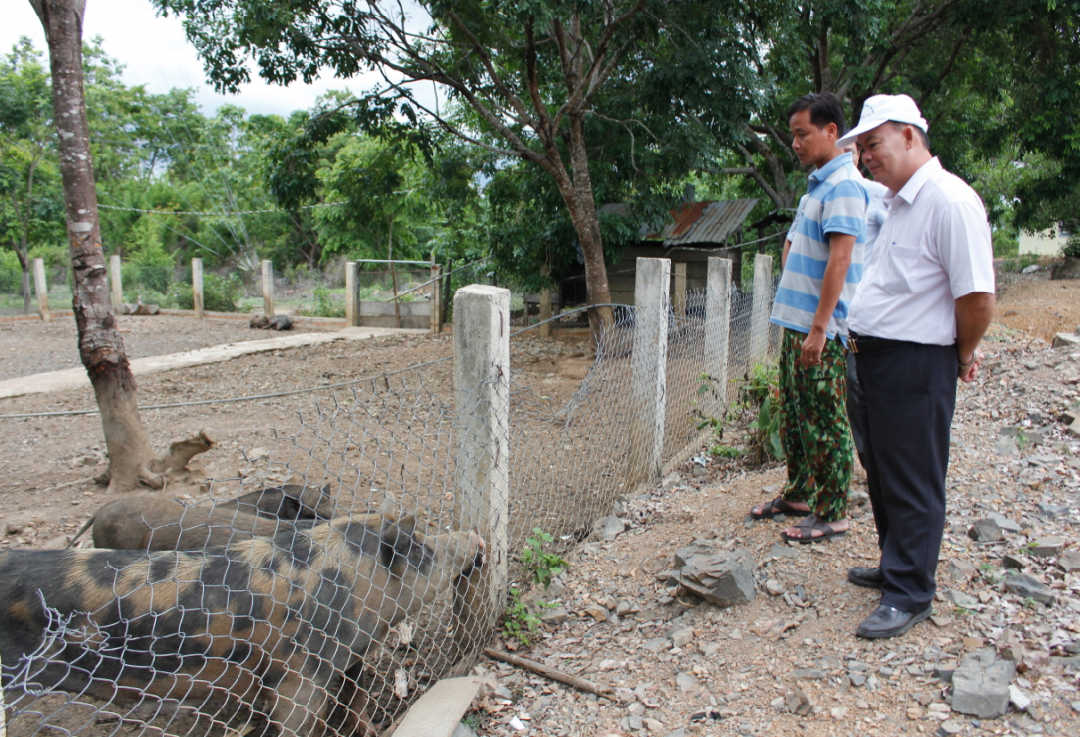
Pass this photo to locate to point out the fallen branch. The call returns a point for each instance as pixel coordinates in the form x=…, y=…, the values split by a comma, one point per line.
x=552, y=673
x=66, y=484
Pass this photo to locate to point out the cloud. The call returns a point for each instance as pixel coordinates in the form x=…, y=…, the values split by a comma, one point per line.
x=155, y=53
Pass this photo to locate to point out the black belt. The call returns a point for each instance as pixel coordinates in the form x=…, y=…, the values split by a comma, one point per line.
x=868, y=344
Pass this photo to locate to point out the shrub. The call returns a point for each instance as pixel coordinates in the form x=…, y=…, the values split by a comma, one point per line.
x=10, y=272
x=1071, y=249
x=326, y=305
x=220, y=293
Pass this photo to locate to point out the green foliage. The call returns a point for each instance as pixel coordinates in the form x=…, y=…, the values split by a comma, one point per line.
x=761, y=391
x=540, y=565
x=220, y=294
x=1071, y=249
x=10, y=272
x=1005, y=243
x=326, y=305
x=725, y=451
x=519, y=621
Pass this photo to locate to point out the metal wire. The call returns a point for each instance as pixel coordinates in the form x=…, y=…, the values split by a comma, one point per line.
x=289, y=621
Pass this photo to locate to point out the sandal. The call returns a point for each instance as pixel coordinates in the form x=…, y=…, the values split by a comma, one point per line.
x=777, y=507
x=807, y=528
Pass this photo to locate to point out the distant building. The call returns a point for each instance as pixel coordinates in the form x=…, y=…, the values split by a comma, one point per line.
x=698, y=230
x=1047, y=242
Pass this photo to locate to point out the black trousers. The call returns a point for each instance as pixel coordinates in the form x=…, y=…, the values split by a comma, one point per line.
x=908, y=398
x=854, y=399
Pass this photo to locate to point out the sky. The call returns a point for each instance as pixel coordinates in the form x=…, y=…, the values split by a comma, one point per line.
x=155, y=53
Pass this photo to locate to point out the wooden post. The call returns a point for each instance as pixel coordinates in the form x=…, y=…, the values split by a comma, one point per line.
x=736, y=261
x=759, y=320
x=481, y=474
x=197, y=287
x=648, y=367
x=352, y=296
x=116, y=283
x=678, y=288
x=268, y=288
x=545, y=313
x=717, y=325
x=435, y=300
x=42, y=288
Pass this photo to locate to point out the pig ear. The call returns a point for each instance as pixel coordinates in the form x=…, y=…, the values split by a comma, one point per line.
x=397, y=542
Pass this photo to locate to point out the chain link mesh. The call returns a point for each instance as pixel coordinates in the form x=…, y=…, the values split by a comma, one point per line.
x=340, y=583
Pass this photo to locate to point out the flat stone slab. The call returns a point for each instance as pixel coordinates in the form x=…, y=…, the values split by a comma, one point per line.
x=438, y=712
x=55, y=381
x=981, y=685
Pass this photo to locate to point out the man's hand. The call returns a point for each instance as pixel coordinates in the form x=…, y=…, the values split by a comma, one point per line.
x=969, y=370
x=812, y=347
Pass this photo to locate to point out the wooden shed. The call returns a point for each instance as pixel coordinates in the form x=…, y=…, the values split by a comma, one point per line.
x=697, y=231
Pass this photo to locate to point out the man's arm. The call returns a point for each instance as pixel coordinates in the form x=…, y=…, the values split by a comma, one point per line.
x=783, y=256
x=973, y=314
x=840, y=247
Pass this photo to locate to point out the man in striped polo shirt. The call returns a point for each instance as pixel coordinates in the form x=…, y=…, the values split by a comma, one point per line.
x=822, y=266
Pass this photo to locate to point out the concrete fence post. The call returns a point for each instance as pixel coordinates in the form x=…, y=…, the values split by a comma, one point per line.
x=436, y=300
x=678, y=288
x=482, y=435
x=648, y=367
x=268, y=287
x=41, y=287
x=717, y=325
x=545, y=313
x=759, y=320
x=352, y=296
x=116, y=282
x=197, y=287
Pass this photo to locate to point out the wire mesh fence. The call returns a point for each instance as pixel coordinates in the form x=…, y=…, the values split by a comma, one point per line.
x=348, y=575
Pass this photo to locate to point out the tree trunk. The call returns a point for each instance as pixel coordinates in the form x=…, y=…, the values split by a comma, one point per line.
x=587, y=224
x=24, y=262
x=101, y=347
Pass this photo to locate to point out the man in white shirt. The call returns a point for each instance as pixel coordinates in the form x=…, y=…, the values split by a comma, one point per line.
x=924, y=303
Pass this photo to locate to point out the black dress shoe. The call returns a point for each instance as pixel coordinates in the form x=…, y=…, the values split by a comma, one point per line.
x=870, y=578
x=887, y=621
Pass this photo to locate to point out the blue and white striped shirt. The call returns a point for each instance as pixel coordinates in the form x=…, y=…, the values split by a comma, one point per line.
x=835, y=202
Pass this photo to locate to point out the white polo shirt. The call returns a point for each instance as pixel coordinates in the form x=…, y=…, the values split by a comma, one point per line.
x=933, y=248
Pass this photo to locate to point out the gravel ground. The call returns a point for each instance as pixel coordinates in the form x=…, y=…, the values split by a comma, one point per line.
x=741, y=669
x=33, y=347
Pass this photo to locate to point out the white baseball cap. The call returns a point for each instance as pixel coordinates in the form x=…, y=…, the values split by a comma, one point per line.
x=881, y=109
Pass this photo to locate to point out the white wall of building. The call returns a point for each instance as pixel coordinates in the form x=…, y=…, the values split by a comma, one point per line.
x=1044, y=243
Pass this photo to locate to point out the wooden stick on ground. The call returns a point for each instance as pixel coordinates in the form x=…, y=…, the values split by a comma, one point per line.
x=552, y=673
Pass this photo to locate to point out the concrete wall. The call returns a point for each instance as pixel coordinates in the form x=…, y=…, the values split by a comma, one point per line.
x=1044, y=243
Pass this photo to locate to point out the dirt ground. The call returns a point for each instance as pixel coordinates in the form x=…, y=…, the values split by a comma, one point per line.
x=46, y=488
x=47, y=492
x=1034, y=304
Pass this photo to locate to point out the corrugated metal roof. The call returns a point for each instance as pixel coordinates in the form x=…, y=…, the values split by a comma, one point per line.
x=696, y=222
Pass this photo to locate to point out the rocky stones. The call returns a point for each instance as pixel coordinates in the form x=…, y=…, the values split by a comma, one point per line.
x=1030, y=588
x=960, y=570
x=1047, y=547
x=1065, y=340
x=985, y=531
x=720, y=577
x=1018, y=698
x=555, y=616
x=597, y=612
x=681, y=636
x=808, y=674
x=1006, y=446
x=1069, y=562
x=610, y=527
x=463, y=730
x=962, y=600
x=1004, y=522
x=798, y=702
x=981, y=685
